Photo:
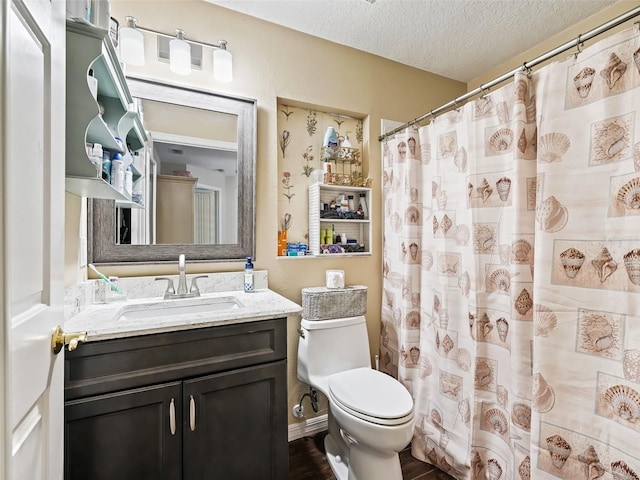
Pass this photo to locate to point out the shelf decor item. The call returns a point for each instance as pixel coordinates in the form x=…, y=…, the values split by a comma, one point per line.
x=346, y=166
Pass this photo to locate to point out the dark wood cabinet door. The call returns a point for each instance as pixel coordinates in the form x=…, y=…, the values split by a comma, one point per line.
x=125, y=435
x=235, y=425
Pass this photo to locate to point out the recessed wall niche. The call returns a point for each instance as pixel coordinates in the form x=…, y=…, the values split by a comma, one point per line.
x=301, y=133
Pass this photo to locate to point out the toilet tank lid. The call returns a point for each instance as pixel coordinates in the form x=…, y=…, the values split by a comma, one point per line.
x=332, y=323
x=371, y=393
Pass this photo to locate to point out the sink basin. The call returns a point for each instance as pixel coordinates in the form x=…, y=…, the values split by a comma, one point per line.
x=172, y=308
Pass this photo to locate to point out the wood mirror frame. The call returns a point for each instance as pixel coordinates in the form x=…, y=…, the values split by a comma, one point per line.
x=102, y=248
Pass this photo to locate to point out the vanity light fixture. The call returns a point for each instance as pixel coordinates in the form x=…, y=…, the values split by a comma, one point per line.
x=132, y=50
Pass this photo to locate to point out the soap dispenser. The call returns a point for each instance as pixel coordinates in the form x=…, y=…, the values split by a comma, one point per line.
x=248, y=276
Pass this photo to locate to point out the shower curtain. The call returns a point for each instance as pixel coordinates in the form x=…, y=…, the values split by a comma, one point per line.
x=511, y=274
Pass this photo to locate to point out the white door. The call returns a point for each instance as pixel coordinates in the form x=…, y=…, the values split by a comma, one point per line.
x=32, y=141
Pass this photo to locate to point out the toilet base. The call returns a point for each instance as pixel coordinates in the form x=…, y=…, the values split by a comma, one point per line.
x=361, y=463
x=339, y=463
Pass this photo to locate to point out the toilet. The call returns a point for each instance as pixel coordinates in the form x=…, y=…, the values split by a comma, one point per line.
x=371, y=414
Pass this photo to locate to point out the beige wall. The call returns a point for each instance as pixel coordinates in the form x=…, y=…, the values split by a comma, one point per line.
x=559, y=39
x=272, y=62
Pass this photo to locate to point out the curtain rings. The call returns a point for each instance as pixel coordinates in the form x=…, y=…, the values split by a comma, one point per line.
x=579, y=45
x=526, y=70
x=484, y=91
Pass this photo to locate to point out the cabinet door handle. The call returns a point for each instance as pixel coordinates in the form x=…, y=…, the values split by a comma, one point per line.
x=172, y=417
x=192, y=413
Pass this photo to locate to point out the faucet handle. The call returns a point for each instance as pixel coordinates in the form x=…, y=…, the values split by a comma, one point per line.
x=170, y=289
x=194, y=284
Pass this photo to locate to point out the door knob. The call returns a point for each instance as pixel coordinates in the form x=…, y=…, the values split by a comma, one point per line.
x=59, y=339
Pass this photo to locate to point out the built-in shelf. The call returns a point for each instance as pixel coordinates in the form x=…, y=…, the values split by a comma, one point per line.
x=100, y=120
x=354, y=228
x=128, y=204
x=94, y=188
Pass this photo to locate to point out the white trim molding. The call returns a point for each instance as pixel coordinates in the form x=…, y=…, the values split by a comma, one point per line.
x=308, y=427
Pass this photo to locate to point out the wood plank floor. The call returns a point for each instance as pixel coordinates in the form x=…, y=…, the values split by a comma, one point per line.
x=307, y=462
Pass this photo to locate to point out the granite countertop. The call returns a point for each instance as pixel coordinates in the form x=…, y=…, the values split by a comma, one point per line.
x=102, y=322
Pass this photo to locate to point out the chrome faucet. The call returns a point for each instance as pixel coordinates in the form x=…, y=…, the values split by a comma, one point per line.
x=182, y=275
x=183, y=291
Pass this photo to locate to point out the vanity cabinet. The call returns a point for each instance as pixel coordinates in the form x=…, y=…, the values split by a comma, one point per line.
x=206, y=403
x=100, y=119
x=357, y=228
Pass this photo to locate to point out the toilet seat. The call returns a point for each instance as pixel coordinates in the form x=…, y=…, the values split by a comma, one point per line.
x=371, y=396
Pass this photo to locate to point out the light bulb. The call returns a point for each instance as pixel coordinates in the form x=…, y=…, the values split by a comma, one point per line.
x=180, y=55
x=222, y=63
x=131, y=43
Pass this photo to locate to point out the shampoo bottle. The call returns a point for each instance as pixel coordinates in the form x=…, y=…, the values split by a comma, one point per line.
x=248, y=276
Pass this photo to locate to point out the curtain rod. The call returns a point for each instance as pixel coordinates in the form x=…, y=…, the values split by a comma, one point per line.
x=526, y=66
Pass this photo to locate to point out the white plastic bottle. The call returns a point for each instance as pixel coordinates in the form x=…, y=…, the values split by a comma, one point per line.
x=248, y=276
x=93, y=84
x=330, y=138
x=117, y=172
x=128, y=182
x=96, y=155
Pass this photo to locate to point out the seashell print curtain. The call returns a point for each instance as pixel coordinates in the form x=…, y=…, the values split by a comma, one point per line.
x=511, y=290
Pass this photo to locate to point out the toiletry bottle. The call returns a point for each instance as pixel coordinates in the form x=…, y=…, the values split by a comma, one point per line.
x=330, y=138
x=96, y=155
x=128, y=181
x=352, y=203
x=93, y=84
x=362, y=207
x=117, y=172
x=248, y=276
x=282, y=243
x=326, y=169
x=106, y=166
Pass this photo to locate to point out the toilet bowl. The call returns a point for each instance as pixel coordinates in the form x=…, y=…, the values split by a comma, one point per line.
x=371, y=415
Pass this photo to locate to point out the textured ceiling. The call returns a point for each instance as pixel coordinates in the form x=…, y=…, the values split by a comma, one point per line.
x=459, y=39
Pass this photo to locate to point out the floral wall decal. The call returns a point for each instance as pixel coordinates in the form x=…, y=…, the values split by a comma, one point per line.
x=284, y=142
x=286, y=184
x=308, y=157
x=311, y=123
x=285, y=223
x=339, y=121
x=359, y=131
x=286, y=111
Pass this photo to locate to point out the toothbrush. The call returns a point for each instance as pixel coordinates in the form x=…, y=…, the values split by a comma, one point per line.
x=114, y=287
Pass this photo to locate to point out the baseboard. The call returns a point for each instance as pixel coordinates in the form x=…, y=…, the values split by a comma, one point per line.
x=308, y=427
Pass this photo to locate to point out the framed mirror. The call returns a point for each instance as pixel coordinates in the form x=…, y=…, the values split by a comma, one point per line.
x=195, y=183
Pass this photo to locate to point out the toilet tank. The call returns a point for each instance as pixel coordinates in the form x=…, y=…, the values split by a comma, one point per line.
x=331, y=346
